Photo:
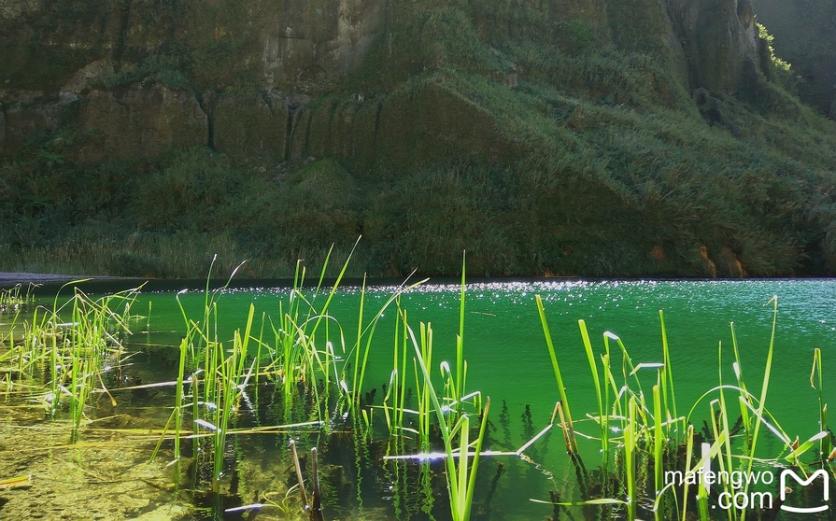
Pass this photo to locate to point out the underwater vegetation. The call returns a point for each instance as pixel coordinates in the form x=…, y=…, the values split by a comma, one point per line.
x=68, y=363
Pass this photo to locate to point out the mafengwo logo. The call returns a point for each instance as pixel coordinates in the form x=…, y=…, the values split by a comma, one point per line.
x=744, y=490
x=818, y=475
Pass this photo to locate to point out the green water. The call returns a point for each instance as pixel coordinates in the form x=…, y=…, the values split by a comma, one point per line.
x=504, y=341
x=508, y=361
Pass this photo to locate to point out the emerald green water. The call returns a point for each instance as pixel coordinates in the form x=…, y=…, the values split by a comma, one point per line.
x=508, y=361
x=507, y=355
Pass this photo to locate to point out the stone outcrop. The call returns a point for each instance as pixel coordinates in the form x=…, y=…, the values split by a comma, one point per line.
x=255, y=125
x=720, y=39
x=306, y=77
x=143, y=121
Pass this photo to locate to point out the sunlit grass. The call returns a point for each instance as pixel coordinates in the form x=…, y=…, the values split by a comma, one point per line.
x=649, y=430
x=318, y=371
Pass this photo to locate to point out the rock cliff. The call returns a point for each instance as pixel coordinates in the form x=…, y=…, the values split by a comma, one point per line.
x=301, y=77
x=656, y=131
x=805, y=34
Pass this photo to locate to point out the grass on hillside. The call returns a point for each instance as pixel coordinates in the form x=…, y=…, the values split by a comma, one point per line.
x=595, y=160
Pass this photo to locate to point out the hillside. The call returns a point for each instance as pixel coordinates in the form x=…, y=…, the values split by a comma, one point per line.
x=566, y=137
x=805, y=35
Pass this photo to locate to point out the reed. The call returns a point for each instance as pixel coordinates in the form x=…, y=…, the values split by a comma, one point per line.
x=650, y=425
x=762, y=400
x=668, y=388
x=15, y=298
x=460, y=363
x=659, y=441
x=817, y=383
x=689, y=453
x=423, y=384
x=461, y=478
x=64, y=349
x=721, y=428
x=630, y=447
x=298, y=352
x=558, y=376
x=301, y=359
x=599, y=394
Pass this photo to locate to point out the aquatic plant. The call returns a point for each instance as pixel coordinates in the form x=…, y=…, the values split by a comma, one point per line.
x=12, y=299
x=817, y=382
x=651, y=431
x=299, y=361
x=565, y=410
x=65, y=349
x=316, y=374
x=461, y=478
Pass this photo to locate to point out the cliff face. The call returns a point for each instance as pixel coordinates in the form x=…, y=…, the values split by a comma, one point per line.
x=300, y=77
x=805, y=34
x=142, y=75
x=651, y=130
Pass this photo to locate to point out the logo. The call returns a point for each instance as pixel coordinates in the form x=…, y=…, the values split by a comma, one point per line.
x=804, y=483
x=738, y=486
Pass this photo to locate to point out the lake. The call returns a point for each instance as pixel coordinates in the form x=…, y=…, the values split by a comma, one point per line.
x=507, y=360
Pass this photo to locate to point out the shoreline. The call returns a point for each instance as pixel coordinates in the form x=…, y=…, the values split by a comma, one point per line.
x=13, y=278
x=48, y=281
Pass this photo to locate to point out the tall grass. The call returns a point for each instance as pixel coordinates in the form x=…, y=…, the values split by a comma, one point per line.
x=558, y=376
x=66, y=349
x=302, y=355
x=318, y=372
x=646, y=431
x=461, y=478
x=817, y=382
x=767, y=373
x=14, y=298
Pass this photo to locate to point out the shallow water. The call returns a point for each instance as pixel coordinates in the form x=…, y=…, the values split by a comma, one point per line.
x=507, y=360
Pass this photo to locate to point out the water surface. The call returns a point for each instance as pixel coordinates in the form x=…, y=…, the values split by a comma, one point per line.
x=508, y=361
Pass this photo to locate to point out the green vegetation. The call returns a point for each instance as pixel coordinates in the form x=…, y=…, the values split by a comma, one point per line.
x=315, y=376
x=803, y=32
x=571, y=143
x=767, y=212
x=14, y=298
x=778, y=63
x=649, y=435
x=169, y=227
x=70, y=356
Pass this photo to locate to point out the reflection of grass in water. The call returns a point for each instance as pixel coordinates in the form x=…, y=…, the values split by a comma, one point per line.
x=68, y=358
x=651, y=433
x=302, y=362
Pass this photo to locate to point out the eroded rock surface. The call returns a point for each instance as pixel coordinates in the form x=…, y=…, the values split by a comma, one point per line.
x=136, y=77
x=805, y=35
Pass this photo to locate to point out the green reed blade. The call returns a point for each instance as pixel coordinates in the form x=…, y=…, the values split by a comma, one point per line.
x=764, y=390
x=558, y=376
x=596, y=381
x=460, y=337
